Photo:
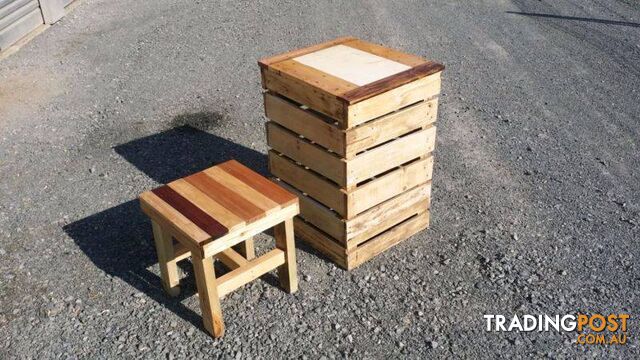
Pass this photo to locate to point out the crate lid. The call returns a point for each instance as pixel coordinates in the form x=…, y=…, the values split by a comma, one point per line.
x=351, y=69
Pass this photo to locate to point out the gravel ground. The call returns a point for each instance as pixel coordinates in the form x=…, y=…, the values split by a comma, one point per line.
x=536, y=201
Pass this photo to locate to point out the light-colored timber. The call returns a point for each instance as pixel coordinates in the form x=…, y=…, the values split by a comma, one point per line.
x=211, y=212
x=350, y=233
x=349, y=259
x=361, y=198
x=320, y=129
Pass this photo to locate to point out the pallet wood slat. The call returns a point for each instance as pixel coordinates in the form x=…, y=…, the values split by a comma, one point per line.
x=390, y=185
x=352, y=132
x=301, y=150
x=347, y=143
x=390, y=155
x=390, y=126
x=361, y=198
x=350, y=260
x=387, y=102
x=346, y=172
x=352, y=232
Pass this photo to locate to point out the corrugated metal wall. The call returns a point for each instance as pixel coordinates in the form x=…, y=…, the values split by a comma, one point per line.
x=17, y=19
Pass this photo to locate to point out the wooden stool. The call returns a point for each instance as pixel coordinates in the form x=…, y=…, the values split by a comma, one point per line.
x=209, y=213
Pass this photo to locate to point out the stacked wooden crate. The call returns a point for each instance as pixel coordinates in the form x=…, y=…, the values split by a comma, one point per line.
x=351, y=131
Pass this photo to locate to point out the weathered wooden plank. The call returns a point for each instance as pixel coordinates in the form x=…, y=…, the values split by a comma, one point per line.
x=385, y=187
x=313, y=126
x=379, y=218
x=320, y=189
x=321, y=242
x=383, y=216
x=387, y=102
x=301, y=92
x=320, y=215
x=311, y=155
x=382, y=158
x=350, y=259
x=387, y=239
x=390, y=126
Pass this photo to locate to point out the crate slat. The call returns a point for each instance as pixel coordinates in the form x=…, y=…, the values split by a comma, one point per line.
x=311, y=155
x=320, y=189
x=387, y=102
x=390, y=155
x=396, y=124
x=388, y=239
x=385, y=187
x=349, y=260
x=351, y=203
x=349, y=172
x=307, y=123
x=352, y=232
x=347, y=143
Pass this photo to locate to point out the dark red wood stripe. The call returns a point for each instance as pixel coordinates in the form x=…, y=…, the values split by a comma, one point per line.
x=200, y=218
x=258, y=182
x=224, y=196
x=390, y=82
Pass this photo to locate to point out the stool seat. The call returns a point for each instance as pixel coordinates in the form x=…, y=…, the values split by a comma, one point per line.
x=214, y=214
x=216, y=202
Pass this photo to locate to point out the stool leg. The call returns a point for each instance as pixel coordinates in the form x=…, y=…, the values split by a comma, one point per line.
x=166, y=260
x=208, y=294
x=287, y=272
x=246, y=249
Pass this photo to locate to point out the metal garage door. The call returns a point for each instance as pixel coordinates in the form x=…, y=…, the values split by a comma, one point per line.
x=17, y=19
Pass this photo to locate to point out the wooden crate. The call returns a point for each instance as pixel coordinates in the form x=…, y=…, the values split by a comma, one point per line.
x=352, y=131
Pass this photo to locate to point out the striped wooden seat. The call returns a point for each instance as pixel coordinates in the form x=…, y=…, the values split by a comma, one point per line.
x=209, y=214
